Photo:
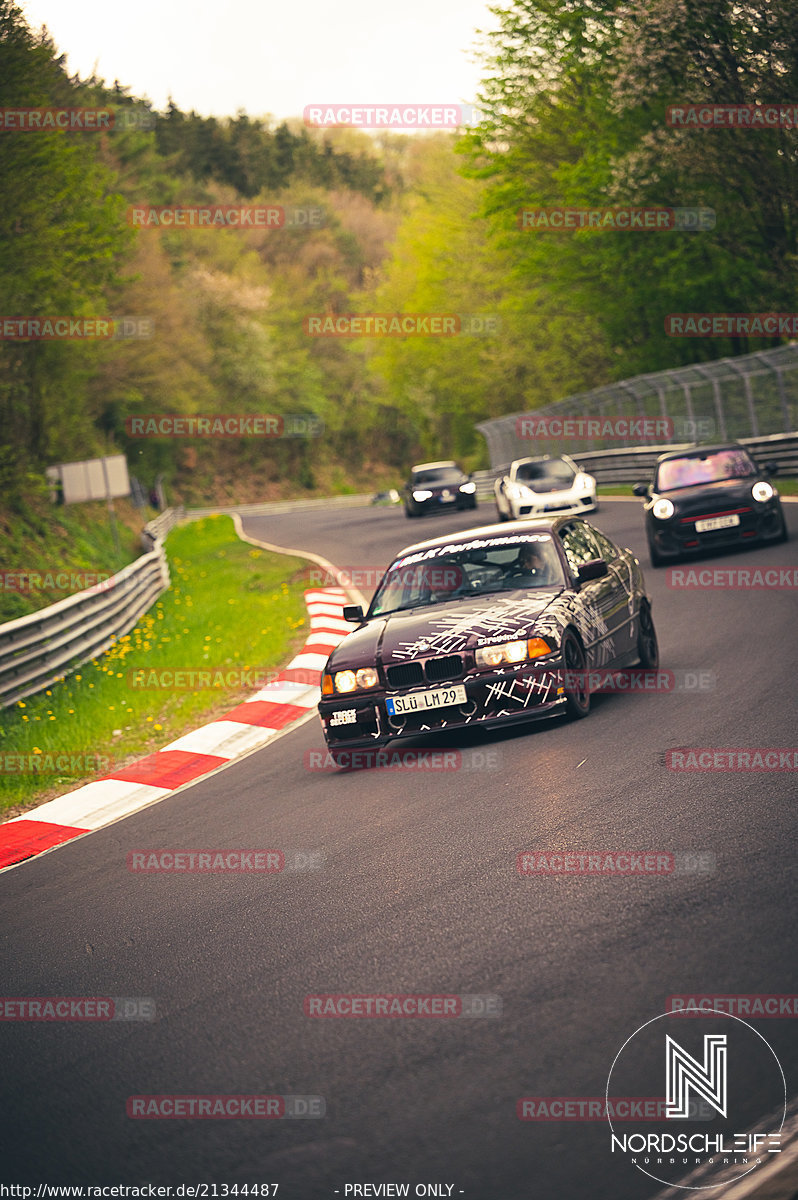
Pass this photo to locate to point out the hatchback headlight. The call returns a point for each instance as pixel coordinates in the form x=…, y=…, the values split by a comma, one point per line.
x=663, y=509
x=762, y=491
x=421, y=494
x=468, y=487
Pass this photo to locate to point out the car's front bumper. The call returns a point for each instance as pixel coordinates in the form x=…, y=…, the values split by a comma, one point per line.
x=678, y=536
x=443, y=504
x=561, y=507
x=493, y=698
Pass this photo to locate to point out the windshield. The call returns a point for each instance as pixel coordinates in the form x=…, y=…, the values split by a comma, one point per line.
x=552, y=472
x=446, y=573
x=693, y=470
x=438, y=475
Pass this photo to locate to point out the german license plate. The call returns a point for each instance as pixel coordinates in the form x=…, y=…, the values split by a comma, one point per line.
x=716, y=523
x=399, y=706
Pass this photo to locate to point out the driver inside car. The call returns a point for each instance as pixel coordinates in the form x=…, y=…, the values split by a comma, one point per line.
x=531, y=568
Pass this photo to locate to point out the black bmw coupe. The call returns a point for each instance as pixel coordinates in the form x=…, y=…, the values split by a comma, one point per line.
x=487, y=626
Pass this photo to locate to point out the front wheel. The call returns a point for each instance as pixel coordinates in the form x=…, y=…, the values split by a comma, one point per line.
x=647, y=645
x=784, y=535
x=409, y=514
x=577, y=692
x=500, y=516
x=656, y=558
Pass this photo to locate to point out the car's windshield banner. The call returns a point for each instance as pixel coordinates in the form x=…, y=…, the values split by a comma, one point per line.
x=475, y=544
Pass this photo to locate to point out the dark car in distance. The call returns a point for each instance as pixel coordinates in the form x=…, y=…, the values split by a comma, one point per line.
x=486, y=627
x=709, y=497
x=438, y=487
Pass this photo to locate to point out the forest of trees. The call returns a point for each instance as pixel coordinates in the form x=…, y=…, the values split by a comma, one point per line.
x=574, y=96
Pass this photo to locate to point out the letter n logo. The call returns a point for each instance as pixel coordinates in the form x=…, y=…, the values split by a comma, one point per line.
x=684, y=1072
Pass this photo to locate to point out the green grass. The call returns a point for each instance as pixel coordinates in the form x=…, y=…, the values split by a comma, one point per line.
x=230, y=607
x=38, y=537
x=786, y=487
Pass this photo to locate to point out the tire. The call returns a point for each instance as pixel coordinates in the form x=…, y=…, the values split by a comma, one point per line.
x=784, y=536
x=654, y=555
x=500, y=516
x=577, y=700
x=410, y=515
x=647, y=645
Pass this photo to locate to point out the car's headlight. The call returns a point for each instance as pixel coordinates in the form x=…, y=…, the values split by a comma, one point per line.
x=344, y=681
x=349, y=681
x=663, y=509
x=583, y=483
x=511, y=652
x=762, y=491
x=468, y=487
x=421, y=494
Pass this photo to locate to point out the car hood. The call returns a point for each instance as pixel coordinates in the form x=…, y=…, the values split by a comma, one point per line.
x=451, y=486
x=544, y=487
x=444, y=628
x=706, y=496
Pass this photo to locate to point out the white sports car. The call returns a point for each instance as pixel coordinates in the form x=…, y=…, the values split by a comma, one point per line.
x=534, y=486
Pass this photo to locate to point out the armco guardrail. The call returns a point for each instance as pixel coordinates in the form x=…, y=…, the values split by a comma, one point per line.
x=157, y=529
x=40, y=648
x=279, y=506
x=636, y=463
x=748, y=396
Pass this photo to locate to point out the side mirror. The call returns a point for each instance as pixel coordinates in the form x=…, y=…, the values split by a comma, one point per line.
x=640, y=489
x=596, y=568
x=770, y=468
x=353, y=612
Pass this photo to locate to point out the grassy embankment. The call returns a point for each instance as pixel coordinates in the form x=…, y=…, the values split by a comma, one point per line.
x=231, y=607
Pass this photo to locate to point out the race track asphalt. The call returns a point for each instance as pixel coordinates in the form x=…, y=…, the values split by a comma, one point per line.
x=416, y=891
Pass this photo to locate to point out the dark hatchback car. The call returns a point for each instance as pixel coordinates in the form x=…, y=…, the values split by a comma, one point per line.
x=438, y=487
x=709, y=497
x=484, y=627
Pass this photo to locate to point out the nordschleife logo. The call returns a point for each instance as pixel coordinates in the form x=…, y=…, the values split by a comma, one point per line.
x=684, y=1074
x=725, y=1100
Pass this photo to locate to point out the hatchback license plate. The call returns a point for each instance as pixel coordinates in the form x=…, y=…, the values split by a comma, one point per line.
x=716, y=523
x=399, y=706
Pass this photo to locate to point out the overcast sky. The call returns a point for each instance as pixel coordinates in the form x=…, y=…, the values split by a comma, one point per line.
x=217, y=56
